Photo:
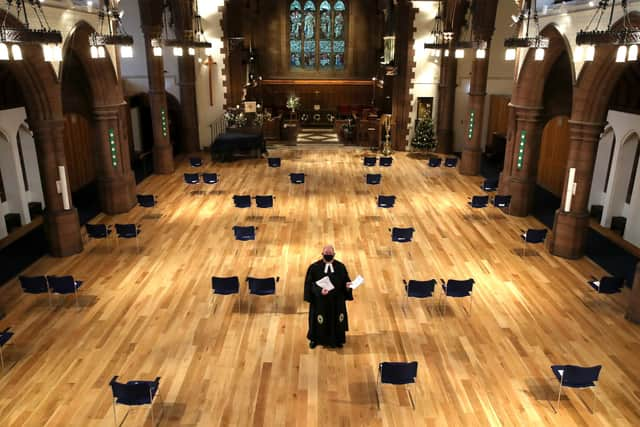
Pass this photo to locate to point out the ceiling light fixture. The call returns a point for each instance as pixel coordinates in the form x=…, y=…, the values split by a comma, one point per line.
x=115, y=34
x=538, y=42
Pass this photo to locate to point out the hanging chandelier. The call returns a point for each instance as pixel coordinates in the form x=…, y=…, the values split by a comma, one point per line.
x=194, y=40
x=479, y=45
x=115, y=34
x=626, y=38
x=439, y=39
x=12, y=38
x=538, y=42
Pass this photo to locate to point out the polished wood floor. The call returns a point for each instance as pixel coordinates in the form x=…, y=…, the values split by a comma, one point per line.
x=149, y=313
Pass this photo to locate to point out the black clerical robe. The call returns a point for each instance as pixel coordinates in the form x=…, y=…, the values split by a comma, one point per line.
x=328, y=319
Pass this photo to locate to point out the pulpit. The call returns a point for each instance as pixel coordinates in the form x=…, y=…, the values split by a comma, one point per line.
x=290, y=129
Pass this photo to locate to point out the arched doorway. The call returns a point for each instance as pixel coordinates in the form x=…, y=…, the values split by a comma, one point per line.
x=536, y=156
x=594, y=94
x=102, y=127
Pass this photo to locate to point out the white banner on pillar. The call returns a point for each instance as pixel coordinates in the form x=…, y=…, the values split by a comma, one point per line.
x=571, y=189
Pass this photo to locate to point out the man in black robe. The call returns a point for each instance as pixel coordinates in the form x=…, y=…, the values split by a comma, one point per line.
x=328, y=320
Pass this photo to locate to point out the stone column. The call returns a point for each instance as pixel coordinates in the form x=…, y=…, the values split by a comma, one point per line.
x=116, y=182
x=472, y=153
x=62, y=226
x=524, y=167
x=446, y=103
x=570, y=228
x=633, y=309
x=505, y=175
x=187, y=84
x=162, y=150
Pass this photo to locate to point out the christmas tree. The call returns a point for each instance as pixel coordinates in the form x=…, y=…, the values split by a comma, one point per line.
x=424, y=137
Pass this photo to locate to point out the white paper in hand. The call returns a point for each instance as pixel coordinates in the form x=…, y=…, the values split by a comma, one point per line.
x=325, y=283
x=359, y=280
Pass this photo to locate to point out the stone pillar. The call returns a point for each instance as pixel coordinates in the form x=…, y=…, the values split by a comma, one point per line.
x=62, y=226
x=633, y=309
x=162, y=150
x=187, y=84
x=570, y=228
x=472, y=153
x=505, y=175
x=116, y=182
x=524, y=167
x=446, y=103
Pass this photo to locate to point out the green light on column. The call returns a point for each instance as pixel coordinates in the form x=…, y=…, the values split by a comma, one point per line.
x=112, y=146
x=163, y=121
x=472, y=120
x=523, y=143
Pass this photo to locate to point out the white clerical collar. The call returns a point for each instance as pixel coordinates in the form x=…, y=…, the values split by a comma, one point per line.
x=328, y=266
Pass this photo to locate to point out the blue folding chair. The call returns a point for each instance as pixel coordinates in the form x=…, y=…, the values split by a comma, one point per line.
x=576, y=377
x=5, y=336
x=489, y=184
x=401, y=235
x=386, y=161
x=35, y=285
x=369, y=161
x=195, y=162
x=128, y=231
x=210, y=178
x=297, y=178
x=451, y=162
x=192, y=179
x=98, y=231
x=242, y=201
x=64, y=285
x=607, y=284
x=502, y=201
x=147, y=200
x=134, y=393
x=386, y=201
x=263, y=287
x=533, y=235
x=274, y=162
x=479, y=201
x=245, y=234
x=224, y=286
x=397, y=373
x=456, y=289
x=435, y=162
x=265, y=202
x=418, y=289
x=373, y=178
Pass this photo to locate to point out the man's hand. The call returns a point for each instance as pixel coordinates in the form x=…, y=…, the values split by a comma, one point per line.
x=325, y=291
x=349, y=285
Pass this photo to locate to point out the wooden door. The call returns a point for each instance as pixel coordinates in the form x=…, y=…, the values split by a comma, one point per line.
x=78, y=151
x=554, y=152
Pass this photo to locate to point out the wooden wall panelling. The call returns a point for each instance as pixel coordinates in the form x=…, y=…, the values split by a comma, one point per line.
x=77, y=150
x=554, y=151
x=326, y=93
x=498, y=115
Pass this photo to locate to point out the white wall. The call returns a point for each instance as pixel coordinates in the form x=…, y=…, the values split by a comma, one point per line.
x=12, y=121
x=626, y=128
x=427, y=69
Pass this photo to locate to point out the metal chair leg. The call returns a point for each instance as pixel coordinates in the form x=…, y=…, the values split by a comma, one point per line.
x=115, y=418
x=413, y=405
x=1, y=358
x=153, y=422
x=378, y=390
x=559, y=393
x=75, y=293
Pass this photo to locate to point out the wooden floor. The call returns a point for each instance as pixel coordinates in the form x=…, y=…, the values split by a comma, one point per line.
x=149, y=314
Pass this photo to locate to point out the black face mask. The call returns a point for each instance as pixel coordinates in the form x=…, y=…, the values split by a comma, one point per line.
x=327, y=258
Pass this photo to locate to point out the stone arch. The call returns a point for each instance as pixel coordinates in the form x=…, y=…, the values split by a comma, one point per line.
x=41, y=92
x=115, y=180
x=533, y=74
x=599, y=77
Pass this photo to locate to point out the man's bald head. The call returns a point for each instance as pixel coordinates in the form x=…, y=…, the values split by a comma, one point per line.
x=328, y=250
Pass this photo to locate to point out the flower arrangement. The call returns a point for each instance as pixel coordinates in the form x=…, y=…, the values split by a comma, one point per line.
x=293, y=102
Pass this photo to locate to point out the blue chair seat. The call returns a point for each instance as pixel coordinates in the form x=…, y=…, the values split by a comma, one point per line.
x=386, y=201
x=369, y=161
x=501, y=201
x=297, y=178
x=373, y=178
x=34, y=284
x=479, y=201
x=402, y=235
x=264, y=202
x=244, y=233
x=607, y=285
x=134, y=393
x=146, y=200
x=274, y=162
x=490, y=184
x=210, y=178
x=225, y=285
x=435, y=162
x=419, y=288
x=127, y=231
x=397, y=373
x=98, y=231
x=5, y=336
x=386, y=161
x=242, y=201
x=195, y=161
x=451, y=162
x=191, y=178
x=262, y=286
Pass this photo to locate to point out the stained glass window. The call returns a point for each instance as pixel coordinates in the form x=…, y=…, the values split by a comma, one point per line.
x=317, y=34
